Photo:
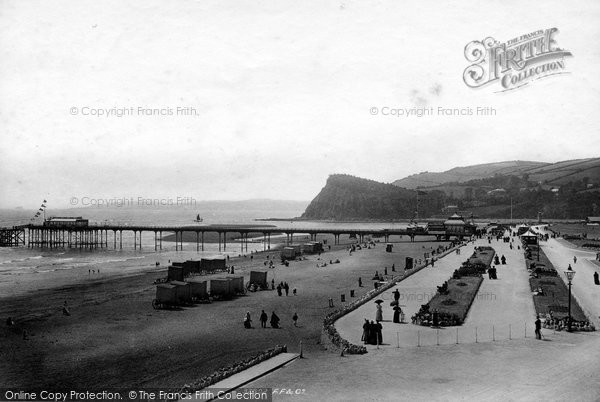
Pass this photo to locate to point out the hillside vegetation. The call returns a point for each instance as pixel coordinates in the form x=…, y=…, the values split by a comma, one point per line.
x=346, y=197
x=539, y=172
x=563, y=190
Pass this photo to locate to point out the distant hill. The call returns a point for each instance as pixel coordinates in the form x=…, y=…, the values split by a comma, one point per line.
x=560, y=173
x=546, y=173
x=562, y=190
x=346, y=197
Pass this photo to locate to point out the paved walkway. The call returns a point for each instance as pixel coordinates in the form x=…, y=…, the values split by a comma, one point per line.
x=561, y=254
x=244, y=377
x=563, y=367
x=503, y=308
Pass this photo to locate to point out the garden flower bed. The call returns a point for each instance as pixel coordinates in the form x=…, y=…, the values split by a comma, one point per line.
x=551, y=297
x=453, y=306
x=455, y=297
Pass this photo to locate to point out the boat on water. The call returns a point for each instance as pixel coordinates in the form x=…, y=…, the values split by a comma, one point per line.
x=198, y=218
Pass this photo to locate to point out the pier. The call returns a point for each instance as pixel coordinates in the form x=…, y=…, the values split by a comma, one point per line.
x=12, y=237
x=94, y=236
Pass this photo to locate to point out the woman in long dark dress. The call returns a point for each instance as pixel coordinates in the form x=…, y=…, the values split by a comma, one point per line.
x=372, y=333
x=379, y=333
x=397, y=315
x=365, y=334
x=274, y=320
x=435, y=317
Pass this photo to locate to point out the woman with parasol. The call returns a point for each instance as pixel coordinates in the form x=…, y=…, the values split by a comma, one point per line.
x=379, y=313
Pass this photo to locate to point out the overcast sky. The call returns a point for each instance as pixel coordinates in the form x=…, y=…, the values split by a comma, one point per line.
x=283, y=92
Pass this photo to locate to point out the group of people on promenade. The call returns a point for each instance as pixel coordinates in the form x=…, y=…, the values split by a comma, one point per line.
x=372, y=333
x=274, y=321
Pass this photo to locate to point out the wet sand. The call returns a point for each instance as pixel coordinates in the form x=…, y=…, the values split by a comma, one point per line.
x=115, y=338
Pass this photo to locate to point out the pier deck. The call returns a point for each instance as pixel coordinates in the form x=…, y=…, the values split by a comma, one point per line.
x=102, y=235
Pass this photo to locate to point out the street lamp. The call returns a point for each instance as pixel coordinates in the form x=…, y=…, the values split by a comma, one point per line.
x=570, y=274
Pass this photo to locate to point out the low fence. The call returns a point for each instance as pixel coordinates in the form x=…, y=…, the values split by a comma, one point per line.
x=461, y=335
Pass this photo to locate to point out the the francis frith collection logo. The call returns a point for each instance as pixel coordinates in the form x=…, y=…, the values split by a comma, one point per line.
x=516, y=62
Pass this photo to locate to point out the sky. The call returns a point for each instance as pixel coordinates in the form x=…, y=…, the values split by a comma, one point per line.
x=266, y=99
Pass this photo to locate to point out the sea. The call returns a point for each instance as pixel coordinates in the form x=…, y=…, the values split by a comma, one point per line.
x=24, y=269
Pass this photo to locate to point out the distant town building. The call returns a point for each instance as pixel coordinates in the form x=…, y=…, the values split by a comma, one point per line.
x=455, y=225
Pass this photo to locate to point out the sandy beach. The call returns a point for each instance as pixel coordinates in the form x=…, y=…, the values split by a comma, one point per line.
x=115, y=338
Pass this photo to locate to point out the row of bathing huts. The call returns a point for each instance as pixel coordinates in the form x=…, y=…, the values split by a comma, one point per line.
x=295, y=250
x=186, y=284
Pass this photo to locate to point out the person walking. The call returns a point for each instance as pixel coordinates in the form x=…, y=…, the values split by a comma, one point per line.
x=396, y=319
x=263, y=319
x=379, y=328
x=295, y=318
x=274, y=320
x=366, y=332
x=538, y=327
x=372, y=333
x=379, y=313
x=247, y=320
x=287, y=288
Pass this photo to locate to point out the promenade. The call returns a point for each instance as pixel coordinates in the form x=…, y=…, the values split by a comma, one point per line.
x=562, y=366
x=502, y=309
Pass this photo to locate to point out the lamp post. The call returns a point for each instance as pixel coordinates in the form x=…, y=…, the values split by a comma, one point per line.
x=570, y=274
